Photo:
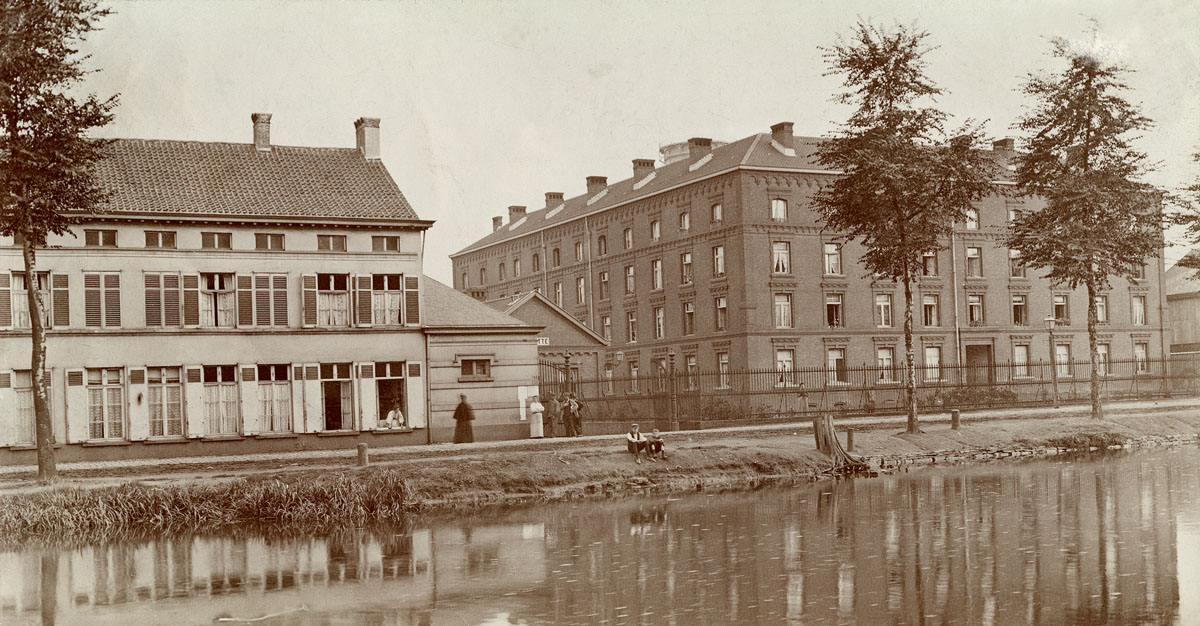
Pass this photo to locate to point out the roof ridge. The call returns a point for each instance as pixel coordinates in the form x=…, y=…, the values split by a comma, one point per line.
x=222, y=143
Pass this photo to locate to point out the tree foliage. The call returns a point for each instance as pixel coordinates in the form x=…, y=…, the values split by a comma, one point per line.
x=905, y=180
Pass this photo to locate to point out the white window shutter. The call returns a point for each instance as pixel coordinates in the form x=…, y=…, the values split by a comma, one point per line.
x=313, y=405
x=247, y=381
x=193, y=399
x=299, y=407
x=77, y=408
x=139, y=405
x=368, y=402
x=414, y=389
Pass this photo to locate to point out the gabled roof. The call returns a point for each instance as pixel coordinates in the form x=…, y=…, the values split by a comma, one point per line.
x=447, y=308
x=1181, y=280
x=165, y=177
x=511, y=306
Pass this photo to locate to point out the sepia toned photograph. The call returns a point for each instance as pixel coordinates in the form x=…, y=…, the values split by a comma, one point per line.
x=524, y=312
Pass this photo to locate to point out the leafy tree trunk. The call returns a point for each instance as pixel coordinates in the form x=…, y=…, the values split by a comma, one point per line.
x=910, y=369
x=47, y=470
x=1097, y=409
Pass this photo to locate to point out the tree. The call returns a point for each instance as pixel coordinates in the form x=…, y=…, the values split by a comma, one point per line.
x=1188, y=215
x=905, y=180
x=46, y=160
x=1099, y=220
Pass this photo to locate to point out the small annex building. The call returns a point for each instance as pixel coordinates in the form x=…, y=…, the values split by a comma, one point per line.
x=1183, y=306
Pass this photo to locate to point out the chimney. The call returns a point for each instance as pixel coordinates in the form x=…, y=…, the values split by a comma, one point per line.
x=596, y=184
x=553, y=199
x=1008, y=144
x=262, y=131
x=515, y=213
x=366, y=136
x=642, y=168
x=781, y=134
x=698, y=147
x=497, y=222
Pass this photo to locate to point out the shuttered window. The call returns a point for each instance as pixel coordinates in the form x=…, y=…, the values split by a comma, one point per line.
x=270, y=299
x=61, y=284
x=412, y=300
x=102, y=299
x=216, y=300
x=162, y=299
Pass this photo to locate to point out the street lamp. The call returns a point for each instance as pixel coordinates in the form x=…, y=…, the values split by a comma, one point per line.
x=674, y=389
x=1051, y=321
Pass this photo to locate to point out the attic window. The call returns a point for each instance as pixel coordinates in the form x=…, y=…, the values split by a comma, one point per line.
x=592, y=200
x=555, y=210
x=785, y=151
x=642, y=183
x=700, y=163
x=516, y=224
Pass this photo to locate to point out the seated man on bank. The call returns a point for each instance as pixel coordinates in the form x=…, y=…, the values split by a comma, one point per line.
x=636, y=442
x=654, y=446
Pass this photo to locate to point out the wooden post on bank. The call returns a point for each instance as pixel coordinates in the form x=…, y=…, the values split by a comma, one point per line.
x=954, y=419
x=362, y=455
x=849, y=440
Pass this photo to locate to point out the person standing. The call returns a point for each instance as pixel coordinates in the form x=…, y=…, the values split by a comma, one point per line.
x=567, y=420
x=535, y=418
x=576, y=416
x=463, y=416
x=552, y=409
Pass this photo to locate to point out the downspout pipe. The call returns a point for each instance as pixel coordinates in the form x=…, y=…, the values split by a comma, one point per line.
x=425, y=338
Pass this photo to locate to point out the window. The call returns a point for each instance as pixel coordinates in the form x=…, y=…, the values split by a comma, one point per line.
x=931, y=315
x=220, y=400
x=606, y=327
x=603, y=282
x=25, y=427
x=555, y=258
x=975, y=309
x=628, y=235
x=602, y=245
x=160, y=239
x=833, y=258
x=216, y=241
x=1102, y=309
x=102, y=299
x=336, y=399
x=689, y=318
x=885, y=362
x=933, y=362
x=1020, y=311
x=633, y=377
x=382, y=243
x=578, y=250
x=500, y=272
x=972, y=219
x=781, y=257
x=106, y=403
x=631, y=326
x=464, y=280
x=685, y=268
x=20, y=299
x=482, y=276
x=1139, y=310
x=165, y=399
x=558, y=294
x=1141, y=357
x=783, y=310
x=100, y=238
x=1062, y=310
x=656, y=274
x=1102, y=358
x=333, y=300
x=608, y=378
x=162, y=299
x=274, y=241
x=660, y=323
x=476, y=369
x=629, y=285
x=685, y=221
x=835, y=365
x=1020, y=360
x=271, y=299
x=785, y=367
x=883, y=310
x=779, y=209
x=580, y=291
x=690, y=369
x=833, y=311
x=387, y=299
x=723, y=370
x=216, y=300
x=1139, y=272
x=274, y=399
x=537, y=262
x=334, y=243
x=718, y=259
x=655, y=233
x=719, y=313
x=1062, y=359
x=929, y=264
x=1016, y=268
x=716, y=212
x=974, y=262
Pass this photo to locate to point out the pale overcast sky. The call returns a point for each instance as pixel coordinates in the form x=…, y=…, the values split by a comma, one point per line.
x=488, y=104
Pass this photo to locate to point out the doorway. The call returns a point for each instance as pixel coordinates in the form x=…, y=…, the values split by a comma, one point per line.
x=979, y=365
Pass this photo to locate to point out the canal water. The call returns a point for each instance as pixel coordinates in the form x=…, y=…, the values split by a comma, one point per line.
x=1112, y=540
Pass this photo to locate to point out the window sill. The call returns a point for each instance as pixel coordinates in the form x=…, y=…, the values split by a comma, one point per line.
x=337, y=433
x=475, y=379
x=391, y=431
x=100, y=443
x=274, y=435
x=21, y=447
x=226, y=437
x=158, y=440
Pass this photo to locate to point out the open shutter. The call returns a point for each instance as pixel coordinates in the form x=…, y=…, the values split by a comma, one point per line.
x=251, y=420
x=279, y=287
x=262, y=299
x=312, y=399
x=139, y=405
x=363, y=297
x=368, y=404
x=5, y=299
x=61, y=284
x=91, y=300
x=309, y=287
x=171, y=299
x=153, y=300
x=414, y=388
x=8, y=434
x=412, y=301
x=245, y=304
x=193, y=398
x=112, y=300
x=191, y=300
x=77, y=413
x=299, y=408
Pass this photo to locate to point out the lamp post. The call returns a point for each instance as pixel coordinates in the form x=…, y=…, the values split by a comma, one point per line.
x=674, y=390
x=567, y=367
x=1051, y=321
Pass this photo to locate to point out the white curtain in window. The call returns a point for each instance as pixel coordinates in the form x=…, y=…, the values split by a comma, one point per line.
x=331, y=308
x=115, y=415
x=25, y=417
x=386, y=305
x=275, y=406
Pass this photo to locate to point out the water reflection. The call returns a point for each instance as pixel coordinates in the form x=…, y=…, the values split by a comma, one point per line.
x=1042, y=543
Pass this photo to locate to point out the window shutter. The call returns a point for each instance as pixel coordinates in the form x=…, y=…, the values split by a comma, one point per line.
x=364, y=300
x=193, y=402
x=245, y=304
x=171, y=299
x=414, y=389
x=279, y=284
x=251, y=409
x=112, y=300
x=139, y=412
x=61, y=295
x=5, y=299
x=153, y=300
x=91, y=300
x=412, y=301
x=262, y=300
x=309, y=286
x=77, y=410
x=367, y=401
x=191, y=300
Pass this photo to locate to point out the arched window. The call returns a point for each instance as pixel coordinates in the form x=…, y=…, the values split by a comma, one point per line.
x=602, y=245
x=555, y=258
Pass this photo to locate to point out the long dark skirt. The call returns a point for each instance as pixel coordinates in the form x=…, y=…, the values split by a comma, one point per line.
x=463, y=433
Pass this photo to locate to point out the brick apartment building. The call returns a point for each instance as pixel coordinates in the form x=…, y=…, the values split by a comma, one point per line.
x=716, y=256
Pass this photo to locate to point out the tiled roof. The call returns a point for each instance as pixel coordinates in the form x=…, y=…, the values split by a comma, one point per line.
x=1182, y=280
x=511, y=305
x=211, y=178
x=755, y=151
x=445, y=307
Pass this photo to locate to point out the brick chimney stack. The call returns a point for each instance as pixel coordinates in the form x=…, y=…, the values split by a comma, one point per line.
x=596, y=184
x=642, y=168
x=553, y=199
x=366, y=136
x=698, y=147
x=497, y=222
x=515, y=213
x=262, y=131
x=781, y=134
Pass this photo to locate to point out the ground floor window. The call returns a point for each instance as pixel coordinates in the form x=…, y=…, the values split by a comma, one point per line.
x=835, y=364
x=785, y=367
x=1020, y=360
x=389, y=389
x=26, y=419
x=885, y=359
x=274, y=398
x=1102, y=354
x=336, y=400
x=220, y=400
x=166, y=401
x=933, y=363
x=1141, y=357
x=1062, y=359
x=106, y=403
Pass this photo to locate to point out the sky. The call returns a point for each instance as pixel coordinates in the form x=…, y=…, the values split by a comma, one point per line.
x=488, y=104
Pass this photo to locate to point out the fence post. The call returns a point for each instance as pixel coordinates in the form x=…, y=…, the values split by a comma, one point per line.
x=673, y=381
